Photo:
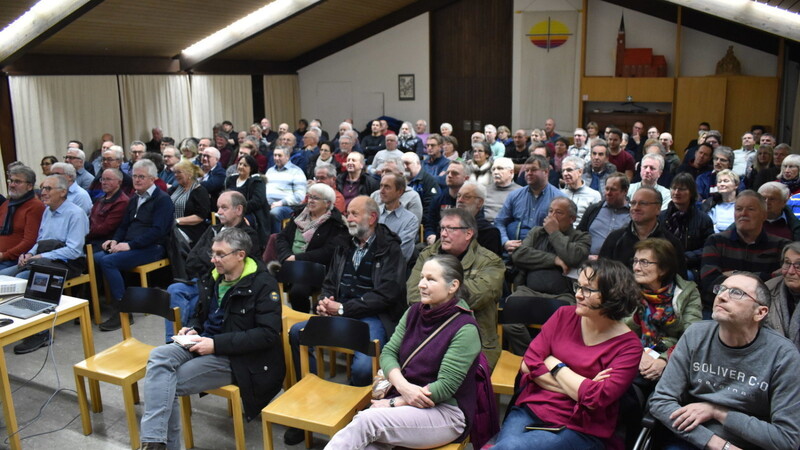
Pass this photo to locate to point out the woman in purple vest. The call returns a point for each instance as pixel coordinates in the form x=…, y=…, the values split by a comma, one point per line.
x=578, y=367
x=432, y=401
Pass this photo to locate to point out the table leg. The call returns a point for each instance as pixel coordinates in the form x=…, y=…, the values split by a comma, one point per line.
x=88, y=350
x=8, y=405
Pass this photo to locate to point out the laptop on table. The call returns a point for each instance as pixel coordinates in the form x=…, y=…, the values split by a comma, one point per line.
x=43, y=292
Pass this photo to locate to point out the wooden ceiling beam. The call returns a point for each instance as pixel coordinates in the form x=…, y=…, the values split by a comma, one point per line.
x=369, y=30
x=33, y=64
x=189, y=58
x=43, y=27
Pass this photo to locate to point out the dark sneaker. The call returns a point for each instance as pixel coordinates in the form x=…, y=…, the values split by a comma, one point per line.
x=294, y=436
x=113, y=323
x=154, y=446
x=33, y=343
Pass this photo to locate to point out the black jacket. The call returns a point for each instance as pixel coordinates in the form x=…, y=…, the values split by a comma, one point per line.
x=255, y=192
x=387, y=299
x=198, y=263
x=330, y=235
x=251, y=335
x=698, y=229
x=619, y=245
x=367, y=184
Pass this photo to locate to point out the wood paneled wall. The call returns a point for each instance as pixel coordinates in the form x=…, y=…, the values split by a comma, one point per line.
x=471, y=66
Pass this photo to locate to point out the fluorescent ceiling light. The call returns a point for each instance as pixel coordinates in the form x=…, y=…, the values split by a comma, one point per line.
x=41, y=17
x=753, y=14
x=245, y=27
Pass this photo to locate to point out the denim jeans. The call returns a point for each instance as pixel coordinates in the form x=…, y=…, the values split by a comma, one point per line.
x=173, y=371
x=111, y=265
x=5, y=267
x=361, y=369
x=184, y=296
x=277, y=215
x=513, y=435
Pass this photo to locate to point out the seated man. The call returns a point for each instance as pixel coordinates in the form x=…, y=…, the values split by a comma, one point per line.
x=544, y=259
x=783, y=313
x=423, y=183
x=484, y=273
x=286, y=187
x=743, y=246
x=501, y=186
x=471, y=197
x=364, y=281
x=410, y=199
x=645, y=208
x=60, y=242
x=780, y=219
x=355, y=181
x=526, y=208
x=609, y=214
x=651, y=168
x=75, y=193
x=140, y=238
x=213, y=178
x=242, y=347
x=231, y=206
x=20, y=215
x=76, y=157
x=457, y=174
x=731, y=383
x=576, y=188
x=392, y=214
x=108, y=211
x=390, y=151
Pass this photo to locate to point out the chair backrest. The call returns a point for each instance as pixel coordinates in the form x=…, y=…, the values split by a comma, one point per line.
x=530, y=310
x=149, y=301
x=337, y=332
x=306, y=272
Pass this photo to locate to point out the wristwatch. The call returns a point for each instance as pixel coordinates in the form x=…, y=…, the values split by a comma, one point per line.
x=341, y=309
x=556, y=368
x=391, y=402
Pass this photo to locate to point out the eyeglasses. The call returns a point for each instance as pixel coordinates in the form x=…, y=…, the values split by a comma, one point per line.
x=47, y=188
x=643, y=263
x=568, y=169
x=137, y=152
x=635, y=203
x=70, y=158
x=465, y=196
x=733, y=293
x=13, y=181
x=205, y=156
x=214, y=256
x=788, y=264
x=140, y=177
x=108, y=180
x=110, y=159
x=452, y=229
x=315, y=198
x=585, y=291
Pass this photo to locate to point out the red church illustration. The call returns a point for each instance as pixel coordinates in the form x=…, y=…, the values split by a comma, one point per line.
x=637, y=62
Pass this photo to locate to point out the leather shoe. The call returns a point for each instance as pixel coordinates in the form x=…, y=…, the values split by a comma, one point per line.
x=113, y=323
x=33, y=343
x=293, y=436
x=154, y=446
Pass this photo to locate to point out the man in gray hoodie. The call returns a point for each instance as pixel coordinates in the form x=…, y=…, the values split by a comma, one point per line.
x=732, y=383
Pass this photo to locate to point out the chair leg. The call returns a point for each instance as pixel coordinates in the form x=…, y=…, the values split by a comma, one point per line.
x=230, y=407
x=267, y=431
x=130, y=413
x=238, y=424
x=95, y=298
x=86, y=419
x=332, y=371
x=186, y=418
x=135, y=388
x=143, y=279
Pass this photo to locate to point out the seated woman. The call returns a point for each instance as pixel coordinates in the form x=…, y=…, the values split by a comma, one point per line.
x=668, y=305
x=783, y=315
x=188, y=148
x=311, y=235
x=191, y=200
x=720, y=205
x=481, y=163
x=763, y=169
x=578, y=366
x=325, y=156
x=790, y=173
x=432, y=399
x=251, y=184
x=689, y=225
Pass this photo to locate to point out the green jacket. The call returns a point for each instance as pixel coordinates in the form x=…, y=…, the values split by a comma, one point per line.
x=483, y=277
x=688, y=308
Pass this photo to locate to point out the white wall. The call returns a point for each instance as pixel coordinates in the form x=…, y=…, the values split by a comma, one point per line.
x=700, y=53
x=641, y=31
x=360, y=82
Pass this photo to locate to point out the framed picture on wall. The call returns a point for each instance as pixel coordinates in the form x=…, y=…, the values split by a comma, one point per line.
x=406, y=86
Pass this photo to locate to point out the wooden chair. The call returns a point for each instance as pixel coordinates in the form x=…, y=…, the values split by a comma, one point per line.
x=145, y=269
x=124, y=364
x=89, y=277
x=314, y=404
x=234, y=397
x=532, y=311
x=289, y=318
x=306, y=272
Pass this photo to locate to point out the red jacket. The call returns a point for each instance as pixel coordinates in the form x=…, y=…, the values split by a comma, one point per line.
x=26, y=223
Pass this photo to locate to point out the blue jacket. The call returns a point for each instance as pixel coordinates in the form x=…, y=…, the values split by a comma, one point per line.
x=434, y=168
x=215, y=182
x=521, y=212
x=150, y=225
